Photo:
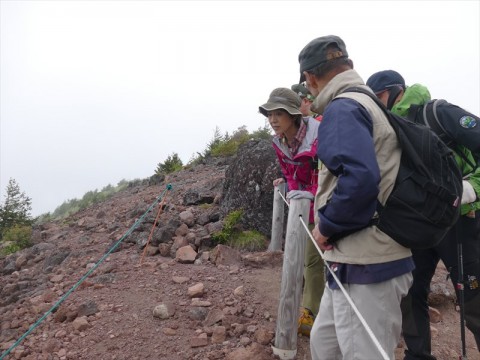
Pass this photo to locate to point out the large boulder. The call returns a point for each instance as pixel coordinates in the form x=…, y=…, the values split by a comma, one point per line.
x=248, y=185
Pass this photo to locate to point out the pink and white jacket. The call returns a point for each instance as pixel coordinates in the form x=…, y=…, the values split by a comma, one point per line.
x=301, y=170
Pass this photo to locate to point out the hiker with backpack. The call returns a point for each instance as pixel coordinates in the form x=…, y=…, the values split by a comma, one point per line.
x=460, y=130
x=359, y=157
x=295, y=143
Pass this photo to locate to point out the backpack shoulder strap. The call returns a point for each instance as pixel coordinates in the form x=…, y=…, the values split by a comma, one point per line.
x=430, y=119
x=387, y=113
x=358, y=89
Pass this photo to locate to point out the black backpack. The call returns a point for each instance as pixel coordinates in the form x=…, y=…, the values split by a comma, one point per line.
x=425, y=201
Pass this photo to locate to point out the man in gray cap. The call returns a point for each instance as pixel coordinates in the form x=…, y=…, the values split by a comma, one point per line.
x=359, y=159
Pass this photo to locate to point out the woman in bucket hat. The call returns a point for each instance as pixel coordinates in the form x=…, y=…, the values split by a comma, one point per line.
x=295, y=143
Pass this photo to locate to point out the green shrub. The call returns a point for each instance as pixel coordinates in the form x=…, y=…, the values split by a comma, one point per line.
x=262, y=133
x=231, y=220
x=228, y=145
x=9, y=249
x=250, y=240
x=217, y=139
x=19, y=237
x=171, y=164
x=232, y=236
x=224, y=149
x=195, y=159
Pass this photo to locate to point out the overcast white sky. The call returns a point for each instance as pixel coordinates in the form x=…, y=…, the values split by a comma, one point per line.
x=93, y=92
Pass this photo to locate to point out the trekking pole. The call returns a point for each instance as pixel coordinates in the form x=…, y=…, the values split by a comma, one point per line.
x=460, y=287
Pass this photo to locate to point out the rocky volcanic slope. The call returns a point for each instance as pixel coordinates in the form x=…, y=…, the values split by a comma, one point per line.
x=177, y=298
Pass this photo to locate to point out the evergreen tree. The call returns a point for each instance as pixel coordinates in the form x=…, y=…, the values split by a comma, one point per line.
x=172, y=163
x=15, y=211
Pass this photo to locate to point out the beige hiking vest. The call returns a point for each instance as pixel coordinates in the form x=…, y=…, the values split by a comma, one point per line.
x=369, y=245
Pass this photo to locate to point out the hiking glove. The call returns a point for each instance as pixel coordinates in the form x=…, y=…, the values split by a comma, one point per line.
x=468, y=195
x=299, y=194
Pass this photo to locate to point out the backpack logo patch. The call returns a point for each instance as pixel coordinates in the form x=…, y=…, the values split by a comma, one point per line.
x=467, y=122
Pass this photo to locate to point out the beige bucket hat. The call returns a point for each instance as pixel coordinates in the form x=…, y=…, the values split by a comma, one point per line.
x=282, y=98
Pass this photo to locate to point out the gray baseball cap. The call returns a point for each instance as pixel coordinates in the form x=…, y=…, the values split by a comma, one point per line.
x=316, y=53
x=282, y=98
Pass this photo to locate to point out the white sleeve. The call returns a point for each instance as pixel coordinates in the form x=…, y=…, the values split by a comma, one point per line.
x=468, y=194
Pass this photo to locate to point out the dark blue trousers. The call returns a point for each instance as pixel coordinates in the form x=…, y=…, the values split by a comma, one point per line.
x=416, y=321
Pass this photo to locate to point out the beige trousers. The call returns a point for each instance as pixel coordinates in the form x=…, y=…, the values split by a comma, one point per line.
x=337, y=332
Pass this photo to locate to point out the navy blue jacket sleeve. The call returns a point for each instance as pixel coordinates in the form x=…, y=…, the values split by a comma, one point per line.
x=460, y=125
x=346, y=149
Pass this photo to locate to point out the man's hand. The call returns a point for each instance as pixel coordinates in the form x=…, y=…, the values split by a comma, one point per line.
x=321, y=240
x=278, y=181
